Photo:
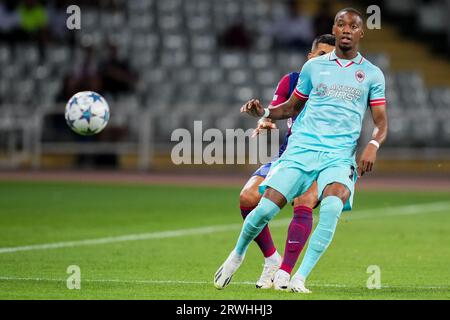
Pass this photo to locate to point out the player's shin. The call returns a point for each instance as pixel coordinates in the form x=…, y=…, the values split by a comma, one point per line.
x=298, y=233
x=330, y=211
x=264, y=238
x=254, y=223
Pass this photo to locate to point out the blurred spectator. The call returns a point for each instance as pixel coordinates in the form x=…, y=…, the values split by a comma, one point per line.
x=324, y=20
x=33, y=17
x=33, y=22
x=84, y=76
x=292, y=29
x=236, y=36
x=68, y=89
x=57, y=22
x=117, y=76
x=9, y=20
x=87, y=74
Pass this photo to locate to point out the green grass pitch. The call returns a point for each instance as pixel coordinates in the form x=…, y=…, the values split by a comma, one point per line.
x=397, y=231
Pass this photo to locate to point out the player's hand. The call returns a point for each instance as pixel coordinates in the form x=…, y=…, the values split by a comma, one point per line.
x=253, y=107
x=263, y=124
x=367, y=159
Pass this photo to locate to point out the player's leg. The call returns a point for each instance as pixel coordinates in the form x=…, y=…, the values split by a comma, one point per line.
x=335, y=187
x=270, y=204
x=248, y=200
x=281, y=185
x=298, y=233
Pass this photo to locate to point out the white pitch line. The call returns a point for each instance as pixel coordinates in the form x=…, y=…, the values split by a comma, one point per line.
x=422, y=208
x=363, y=214
x=312, y=284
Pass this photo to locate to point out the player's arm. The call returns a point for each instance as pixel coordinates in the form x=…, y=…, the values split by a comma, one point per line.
x=284, y=110
x=380, y=120
x=282, y=93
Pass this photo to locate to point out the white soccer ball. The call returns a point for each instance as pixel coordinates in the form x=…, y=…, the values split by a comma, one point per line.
x=87, y=113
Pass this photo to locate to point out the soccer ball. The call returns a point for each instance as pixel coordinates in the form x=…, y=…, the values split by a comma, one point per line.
x=87, y=113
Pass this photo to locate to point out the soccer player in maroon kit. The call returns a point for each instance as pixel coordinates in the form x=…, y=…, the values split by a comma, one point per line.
x=301, y=224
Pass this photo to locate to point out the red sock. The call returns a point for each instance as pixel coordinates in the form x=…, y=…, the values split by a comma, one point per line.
x=298, y=233
x=264, y=239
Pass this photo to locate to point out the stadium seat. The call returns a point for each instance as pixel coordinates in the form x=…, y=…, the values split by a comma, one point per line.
x=260, y=60
x=197, y=7
x=240, y=77
x=29, y=55
x=202, y=43
x=268, y=77
x=141, y=22
x=198, y=23
x=90, y=20
x=204, y=60
x=174, y=45
x=245, y=93
x=232, y=60
x=444, y=131
x=170, y=23
x=210, y=75
x=424, y=131
x=169, y=6
x=289, y=61
x=140, y=6
x=399, y=130
x=267, y=93
x=5, y=55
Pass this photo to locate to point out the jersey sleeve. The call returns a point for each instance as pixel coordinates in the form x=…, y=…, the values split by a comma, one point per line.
x=377, y=96
x=282, y=92
x=304, y=84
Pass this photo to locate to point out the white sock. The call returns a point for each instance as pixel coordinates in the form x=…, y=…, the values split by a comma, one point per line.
x=300, y=277
x=274, y=259
x=235, y=257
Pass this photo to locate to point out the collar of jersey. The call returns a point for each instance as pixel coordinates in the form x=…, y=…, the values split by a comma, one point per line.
x=358, y=59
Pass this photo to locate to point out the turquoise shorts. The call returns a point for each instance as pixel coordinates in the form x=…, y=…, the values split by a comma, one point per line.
x=298, y=168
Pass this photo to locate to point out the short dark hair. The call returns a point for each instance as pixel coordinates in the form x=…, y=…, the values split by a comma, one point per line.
x=352, y=10
x=326, y=39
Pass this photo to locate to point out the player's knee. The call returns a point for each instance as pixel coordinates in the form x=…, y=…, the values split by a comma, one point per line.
x=337, y=190
x=249, y=198
x=308, y=200
x=264, y=212
x=275, y=196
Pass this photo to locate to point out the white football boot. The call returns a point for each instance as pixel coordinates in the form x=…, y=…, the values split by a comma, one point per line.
x=268, y=273
x=223, y=275
x=281, y=280
x=297, y=284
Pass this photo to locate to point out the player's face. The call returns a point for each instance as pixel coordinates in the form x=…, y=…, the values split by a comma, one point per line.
x=348, y=29
x=319, y=50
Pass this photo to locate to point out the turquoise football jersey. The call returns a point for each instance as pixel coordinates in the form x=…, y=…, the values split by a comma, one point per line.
x=338, y=93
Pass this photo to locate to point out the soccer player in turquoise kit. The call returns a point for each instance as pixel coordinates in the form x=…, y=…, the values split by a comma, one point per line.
x=301, y=224
x=337, y=88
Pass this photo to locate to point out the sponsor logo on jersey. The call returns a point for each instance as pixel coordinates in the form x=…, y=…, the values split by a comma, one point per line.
x=339, y=91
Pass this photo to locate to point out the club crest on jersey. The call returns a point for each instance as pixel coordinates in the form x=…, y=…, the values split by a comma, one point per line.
x=360, y=76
